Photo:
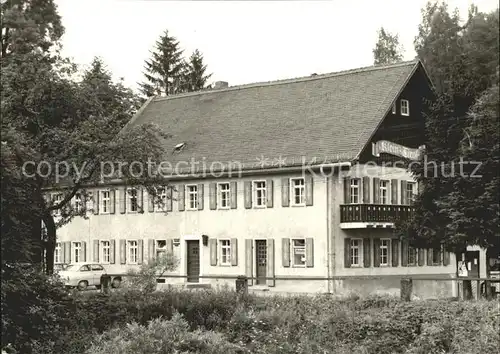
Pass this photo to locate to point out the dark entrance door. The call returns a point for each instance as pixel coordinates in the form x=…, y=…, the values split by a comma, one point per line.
x=261, y=261
x=472, y=262
x=193, y=261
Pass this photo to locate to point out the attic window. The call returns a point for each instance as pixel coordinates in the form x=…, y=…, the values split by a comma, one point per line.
x=405, y=108
x=179, y=147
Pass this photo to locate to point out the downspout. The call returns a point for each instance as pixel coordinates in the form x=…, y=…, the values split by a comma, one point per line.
x=328, y=231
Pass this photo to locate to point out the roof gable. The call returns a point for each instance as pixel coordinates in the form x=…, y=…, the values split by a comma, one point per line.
x=318, y=119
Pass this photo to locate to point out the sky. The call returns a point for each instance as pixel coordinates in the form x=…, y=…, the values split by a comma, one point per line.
x=242, y=41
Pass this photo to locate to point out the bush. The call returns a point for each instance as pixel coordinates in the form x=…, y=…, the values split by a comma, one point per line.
x=162, y=337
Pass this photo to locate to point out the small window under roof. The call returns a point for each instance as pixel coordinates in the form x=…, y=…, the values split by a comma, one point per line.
x=179, y=147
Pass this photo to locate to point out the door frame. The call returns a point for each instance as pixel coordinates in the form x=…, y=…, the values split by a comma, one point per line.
x=254, y=257
x=184, y=251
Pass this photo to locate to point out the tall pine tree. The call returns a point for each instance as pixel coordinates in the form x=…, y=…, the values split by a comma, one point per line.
x=164, y=72
x=387, y=49
x=196, y=72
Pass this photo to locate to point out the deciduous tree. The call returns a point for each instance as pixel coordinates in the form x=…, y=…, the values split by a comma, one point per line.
x=387, y=50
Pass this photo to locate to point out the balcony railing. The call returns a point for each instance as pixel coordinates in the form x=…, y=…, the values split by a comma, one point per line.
x=374, y=212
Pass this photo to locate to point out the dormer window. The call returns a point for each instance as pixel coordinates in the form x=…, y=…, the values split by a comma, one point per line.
x=405, y=107
x=179, y=147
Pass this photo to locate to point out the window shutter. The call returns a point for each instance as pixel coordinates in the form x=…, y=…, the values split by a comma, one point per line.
x=394, y=191
x=366, y=190
x=181, y=197
x=395, y=252
x=309, y=187
x=285, y=192
x=269, y=193
x=123, y=252
x=112, y=201
x=63, y=252
x=367, y=253
x=403, y=193
x=270, y=261
x=151, y=250
x=249, y=260
x=347, y=252
x=234, y=252
x=123, y=200
x=429, y=256
x=421, y=257
x=309, y=252
x=213, y=252
x=446, y=258
x=201, y=198
x=168, y=202
x=112, y=251
x=376, y=252
x=376, y=191
x=84, y=251
x=96, y=202
x=285, y=251
x=67, y=252
x=248, y=194
x=140, y=204
x=347, y=190
x=170, y=246
x=140, y=251
x=95, y=251
x=212, y=193
x=151, y=203
x=234, y=195
x=404, y=252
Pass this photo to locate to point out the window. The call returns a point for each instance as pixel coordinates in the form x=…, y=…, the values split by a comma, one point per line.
x=405, y=108
x=394, y=108
x=132, y=251
x=161, y=248
x=105, y=202
x=354, y=191
x=85, y=268
x=105, y=251
x=57, y=198
x=410, y=191
x=225, y=252
x=436, y=256
x=299, y=252
x=77, y=252
x=97, y=267
x=57, y=253
x=298, y=191
x=78, y=203
x=355, y=252
x=132, y=200
x=384, y=192
x=162, y=194
x=224, y=196
x=192, y=197
x=259, y=193
x=412, y=256
x=384, y=251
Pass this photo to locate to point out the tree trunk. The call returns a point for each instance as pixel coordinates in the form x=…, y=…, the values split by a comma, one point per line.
x=50, y=244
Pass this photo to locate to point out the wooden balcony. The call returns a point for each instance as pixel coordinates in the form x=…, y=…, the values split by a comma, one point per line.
x=374, y=213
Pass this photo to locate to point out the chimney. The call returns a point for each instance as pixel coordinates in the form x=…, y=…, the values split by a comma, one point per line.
x=220, y=85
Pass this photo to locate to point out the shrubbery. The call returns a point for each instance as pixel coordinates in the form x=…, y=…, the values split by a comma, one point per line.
x=205, y=320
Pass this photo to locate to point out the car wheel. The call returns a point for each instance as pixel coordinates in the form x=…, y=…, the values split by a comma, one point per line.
x=82, y=285
x=116, y=283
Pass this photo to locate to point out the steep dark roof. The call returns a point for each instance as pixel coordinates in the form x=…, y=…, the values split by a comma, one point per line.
x=327, y=117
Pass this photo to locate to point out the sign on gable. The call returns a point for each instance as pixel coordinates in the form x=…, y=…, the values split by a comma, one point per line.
x=388, y=147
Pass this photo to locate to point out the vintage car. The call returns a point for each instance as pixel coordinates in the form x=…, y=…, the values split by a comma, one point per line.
x=82, y=275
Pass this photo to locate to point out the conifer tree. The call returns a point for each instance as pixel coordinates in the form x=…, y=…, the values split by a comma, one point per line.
x=196, y=72
x=164, y=71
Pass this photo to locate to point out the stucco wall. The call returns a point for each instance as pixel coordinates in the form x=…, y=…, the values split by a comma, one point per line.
x=241, y=223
